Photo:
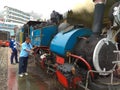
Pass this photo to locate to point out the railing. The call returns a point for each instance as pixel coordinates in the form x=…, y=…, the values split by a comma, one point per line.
x=117, y=62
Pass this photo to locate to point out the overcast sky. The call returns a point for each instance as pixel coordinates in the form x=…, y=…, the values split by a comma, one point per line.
x=44, y=7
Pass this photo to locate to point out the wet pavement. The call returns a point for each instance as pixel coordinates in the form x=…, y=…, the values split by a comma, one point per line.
x=3, y=68
x=36, y=80
x=12, y=74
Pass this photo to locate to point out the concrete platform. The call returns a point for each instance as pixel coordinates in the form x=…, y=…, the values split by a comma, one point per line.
x=36, y=80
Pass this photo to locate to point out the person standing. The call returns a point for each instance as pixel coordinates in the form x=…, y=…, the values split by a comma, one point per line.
x=13, y=46
x=26, y=48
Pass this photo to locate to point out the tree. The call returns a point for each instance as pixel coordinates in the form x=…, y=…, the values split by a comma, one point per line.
x=86, y=18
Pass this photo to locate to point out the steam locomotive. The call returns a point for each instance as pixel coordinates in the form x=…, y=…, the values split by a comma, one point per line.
x=79, y=57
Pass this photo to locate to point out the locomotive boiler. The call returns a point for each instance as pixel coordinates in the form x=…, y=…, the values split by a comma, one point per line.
x=80, y=57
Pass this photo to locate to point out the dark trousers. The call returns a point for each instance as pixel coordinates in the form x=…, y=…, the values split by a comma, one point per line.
x=119, y=46
x=23, y=61
x=14, y=54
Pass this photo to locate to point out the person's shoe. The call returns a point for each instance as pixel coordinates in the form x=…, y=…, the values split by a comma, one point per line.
x=20, y=75
x=13, y=63
x=26, y=73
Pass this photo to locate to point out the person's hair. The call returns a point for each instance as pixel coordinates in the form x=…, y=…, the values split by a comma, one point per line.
x=12, y=36
x=27, y=38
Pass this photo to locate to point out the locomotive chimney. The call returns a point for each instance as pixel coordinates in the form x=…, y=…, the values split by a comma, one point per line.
x=98, y=16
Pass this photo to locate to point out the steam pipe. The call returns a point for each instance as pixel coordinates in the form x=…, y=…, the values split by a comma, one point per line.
x=98, y=16
x=43, y=47
x=83, y=60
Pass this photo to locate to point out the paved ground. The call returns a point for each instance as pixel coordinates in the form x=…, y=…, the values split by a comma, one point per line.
x=12, y=74
x=3, y=68
x=36, y=80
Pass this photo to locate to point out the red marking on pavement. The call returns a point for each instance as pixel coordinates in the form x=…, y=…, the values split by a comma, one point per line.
x=12, y=77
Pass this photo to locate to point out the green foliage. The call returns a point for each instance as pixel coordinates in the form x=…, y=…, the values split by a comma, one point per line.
x=86, y=18
x=108, y=6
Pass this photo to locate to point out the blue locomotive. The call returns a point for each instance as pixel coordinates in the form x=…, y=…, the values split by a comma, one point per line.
x=79, y=57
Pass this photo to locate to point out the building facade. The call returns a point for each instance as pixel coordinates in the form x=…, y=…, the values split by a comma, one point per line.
x=8, y=27
x=15, y=16
x=13, y=19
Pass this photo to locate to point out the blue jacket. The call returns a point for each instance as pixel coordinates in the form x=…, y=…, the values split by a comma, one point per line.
x=13, y=45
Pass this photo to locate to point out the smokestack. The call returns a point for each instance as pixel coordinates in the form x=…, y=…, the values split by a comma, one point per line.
x=98, y=16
